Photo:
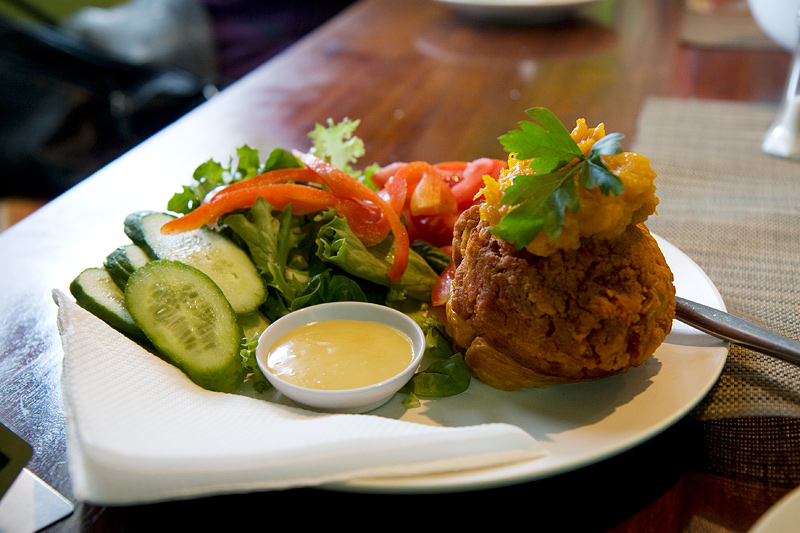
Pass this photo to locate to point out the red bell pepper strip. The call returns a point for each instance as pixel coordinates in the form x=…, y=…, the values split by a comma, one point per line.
x=304, y=200
x=282, y=175
x=397, y=188
x=365, y=219
x=342, y=184
x=414, y=172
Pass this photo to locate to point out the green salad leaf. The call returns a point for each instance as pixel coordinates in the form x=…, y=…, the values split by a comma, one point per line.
x=211, y=174
x=540, y=200
x=443, y=377
x=273, y=239
x=248, y=354
x=337, y=144
x=337, y=244
x=446, y=373
x=435, y=256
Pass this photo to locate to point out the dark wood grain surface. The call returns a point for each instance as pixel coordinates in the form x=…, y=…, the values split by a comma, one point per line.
x=427, y=83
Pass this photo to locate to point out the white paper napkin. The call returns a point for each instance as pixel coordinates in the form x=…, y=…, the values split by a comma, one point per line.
x=139, y=430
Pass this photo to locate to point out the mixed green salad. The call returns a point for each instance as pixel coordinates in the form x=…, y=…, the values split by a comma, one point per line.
x=200, y=298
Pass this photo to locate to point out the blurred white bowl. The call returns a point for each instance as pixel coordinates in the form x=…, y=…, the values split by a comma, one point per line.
x=778, y=19
x=357, y=400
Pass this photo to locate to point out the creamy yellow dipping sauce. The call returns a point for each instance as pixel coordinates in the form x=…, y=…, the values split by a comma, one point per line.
x=340, y=354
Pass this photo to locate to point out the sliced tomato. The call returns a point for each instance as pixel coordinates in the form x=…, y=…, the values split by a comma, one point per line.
x=436, y=229
x=380, y=177
x=472, y=180
x=452, y=171
x=432, y=196
x=441, y=289
x=411, y=225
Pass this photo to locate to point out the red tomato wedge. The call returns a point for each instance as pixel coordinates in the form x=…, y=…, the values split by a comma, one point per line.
x=432, y=196
x=435, y=229
x=342, y=184
x=413, y=173
x=441, y=289
x=452, y=171
x=472, y=180
x=380, y=177
x=431, y=206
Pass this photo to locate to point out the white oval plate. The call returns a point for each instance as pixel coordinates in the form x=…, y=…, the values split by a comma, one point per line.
x=579, y=424
x=781, y=517
x=517, y=10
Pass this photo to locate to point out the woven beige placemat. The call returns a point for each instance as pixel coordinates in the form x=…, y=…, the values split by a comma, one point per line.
x=736, y=212
x=723, y=25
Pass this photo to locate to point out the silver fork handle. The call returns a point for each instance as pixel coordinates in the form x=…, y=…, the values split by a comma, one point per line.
x=736, y=330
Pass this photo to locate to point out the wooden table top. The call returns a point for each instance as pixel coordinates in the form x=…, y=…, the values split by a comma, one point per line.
x=427, y=83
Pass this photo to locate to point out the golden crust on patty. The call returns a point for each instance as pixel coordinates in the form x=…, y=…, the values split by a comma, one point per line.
x=577, y=314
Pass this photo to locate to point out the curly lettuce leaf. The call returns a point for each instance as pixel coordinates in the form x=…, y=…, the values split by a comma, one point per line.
x=337, y=144
x=248, y=355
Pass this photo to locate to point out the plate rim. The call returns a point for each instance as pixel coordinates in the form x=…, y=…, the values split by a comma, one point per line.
x=526, y=471
x=786, y=510
x=532, y=5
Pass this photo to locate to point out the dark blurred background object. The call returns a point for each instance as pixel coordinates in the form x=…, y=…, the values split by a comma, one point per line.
x=81, y=84
x=68, y=108
x=248, y=32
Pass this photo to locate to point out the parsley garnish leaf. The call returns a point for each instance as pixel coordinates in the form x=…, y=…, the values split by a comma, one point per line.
x=541, y=199
x=595, y=172
x=548, y=143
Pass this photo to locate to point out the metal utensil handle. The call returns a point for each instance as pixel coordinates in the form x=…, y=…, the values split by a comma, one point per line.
x=737, y=330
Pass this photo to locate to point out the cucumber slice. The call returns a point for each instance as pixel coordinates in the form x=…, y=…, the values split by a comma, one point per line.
x=189, y=321
x=212, y=253
x=96, y=291
x=123, y=261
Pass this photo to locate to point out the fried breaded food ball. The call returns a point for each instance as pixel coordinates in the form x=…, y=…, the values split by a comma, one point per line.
x=599, y=215
x=577, y=314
